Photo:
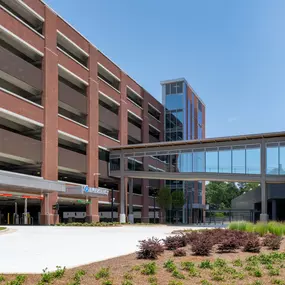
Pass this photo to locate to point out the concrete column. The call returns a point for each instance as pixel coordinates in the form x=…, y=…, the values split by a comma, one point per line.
x=145, y=182
x=48, y=215
x=50, y=99
x=145, y=208
x=25, y=212
x=92, y=211
x=263, y=215
x=274, y=216
x=123, y=137
x=123, y=191
x=131, y=211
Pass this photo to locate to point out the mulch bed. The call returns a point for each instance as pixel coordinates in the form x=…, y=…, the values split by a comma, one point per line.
x=121, y=265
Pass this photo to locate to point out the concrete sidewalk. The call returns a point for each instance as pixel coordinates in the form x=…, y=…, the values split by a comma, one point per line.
x=32, y=249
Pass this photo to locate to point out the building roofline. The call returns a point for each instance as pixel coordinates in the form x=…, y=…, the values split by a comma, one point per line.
x=202, y=141
x=187, y=83
x=97, y=48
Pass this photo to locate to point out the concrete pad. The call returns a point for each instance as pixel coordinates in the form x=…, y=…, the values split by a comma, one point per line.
x=32, y=249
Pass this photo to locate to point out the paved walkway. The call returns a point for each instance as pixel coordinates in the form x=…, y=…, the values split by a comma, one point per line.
x=31, y=249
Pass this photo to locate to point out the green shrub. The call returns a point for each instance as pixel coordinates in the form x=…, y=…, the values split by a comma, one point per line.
x=97, y=224
x=241, y=226
x=253, y=260
x=238, y=275
x=149, y=268
x=136, y=268
x=19, y=280
x=187, y=265
x=217, y=275
x=174, y=282
x=205, y=282
x=257, y=282
x=128, y=276
x=127, y=282
x=59, y=272
x=152, y=280
x=193, y=272
x=102, y=273
x=169, y=265
x=77, y=277
x=278, y=282
x=2, y=278
x=107, y=282
x=177, y=274
x=46, y=277
x=237, y=263
x=219, y=262
x=257, y=273
x=274, y=272
x=206, y=264
x=277, y=229
x=261, y=228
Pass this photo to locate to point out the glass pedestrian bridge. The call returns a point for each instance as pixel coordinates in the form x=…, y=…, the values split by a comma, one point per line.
x=248, y=158
x=233, y=158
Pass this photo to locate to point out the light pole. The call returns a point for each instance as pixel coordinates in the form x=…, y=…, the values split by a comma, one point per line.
x=112, y=205
x=153, y=194
x=154, y=206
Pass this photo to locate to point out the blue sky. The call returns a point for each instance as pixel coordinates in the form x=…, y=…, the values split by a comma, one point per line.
x=231, y=52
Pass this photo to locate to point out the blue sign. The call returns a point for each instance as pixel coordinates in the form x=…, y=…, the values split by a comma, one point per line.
x=86, y=189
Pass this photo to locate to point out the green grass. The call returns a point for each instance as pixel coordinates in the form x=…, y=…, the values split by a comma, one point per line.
x=2, y=228
x=275, y=228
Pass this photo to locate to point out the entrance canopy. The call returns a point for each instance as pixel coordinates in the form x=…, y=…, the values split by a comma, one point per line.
x=19, y=182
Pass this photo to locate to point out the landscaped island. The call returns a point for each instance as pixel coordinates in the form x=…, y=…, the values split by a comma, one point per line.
x=244, y=254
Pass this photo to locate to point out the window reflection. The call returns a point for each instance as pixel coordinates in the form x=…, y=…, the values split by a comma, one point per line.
x=198, y=161
x=211, y=160
x=253, y=159
x=225, y=160
x=238, y=154
x=272, y=159
x=282, y=159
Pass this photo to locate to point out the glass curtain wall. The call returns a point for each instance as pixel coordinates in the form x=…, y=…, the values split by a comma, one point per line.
x=175, y=129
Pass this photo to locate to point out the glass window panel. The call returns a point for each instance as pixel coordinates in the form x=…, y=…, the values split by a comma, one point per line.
x=212, y=161
x=225, y=161
x=272, y=159
x=167, y=89
x=198, y=161
x=200, y=132
x=189, y=119
x=174, y=102
x=173, y=88
x=253, y=160
x=179, y=136
x=282, y=160
x=193, y=119
x=238, y=160
x=200, y=117
x=186, y=162
x=179, y=87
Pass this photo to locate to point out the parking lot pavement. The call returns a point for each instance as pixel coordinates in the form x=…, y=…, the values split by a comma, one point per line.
x=32, y=249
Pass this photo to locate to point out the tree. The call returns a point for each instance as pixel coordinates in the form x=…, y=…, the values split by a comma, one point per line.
x=164, y=200
x=245, y=187
x=178, y=200
x=220, y=194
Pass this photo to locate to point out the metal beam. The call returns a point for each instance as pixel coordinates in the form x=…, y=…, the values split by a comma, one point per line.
x=203, y=176
x=150, y=147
